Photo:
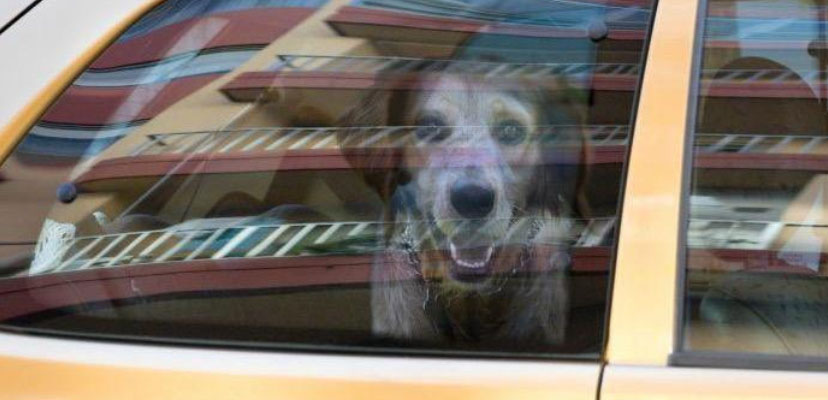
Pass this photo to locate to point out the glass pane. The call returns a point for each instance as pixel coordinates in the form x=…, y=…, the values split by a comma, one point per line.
x=756, y=265
x=424, y=176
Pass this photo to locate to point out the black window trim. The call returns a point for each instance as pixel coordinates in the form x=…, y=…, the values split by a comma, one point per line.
x=749, y=361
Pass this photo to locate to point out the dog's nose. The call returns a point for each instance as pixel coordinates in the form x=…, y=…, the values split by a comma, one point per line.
x=472, y=198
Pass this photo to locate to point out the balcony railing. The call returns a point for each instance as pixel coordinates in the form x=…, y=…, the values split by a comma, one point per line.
x=763, y=75
x=762, y=144
x=732, y=234
x=186, y=242
x=294, y=71
x=373, y=64
x=284, y=139
x=376, y=64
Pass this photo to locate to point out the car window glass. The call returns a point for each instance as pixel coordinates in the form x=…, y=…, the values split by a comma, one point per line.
x=368, y=175
x=755, y=266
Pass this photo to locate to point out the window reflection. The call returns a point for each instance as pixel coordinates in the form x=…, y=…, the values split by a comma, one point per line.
x=756, y=231
x=425, y=176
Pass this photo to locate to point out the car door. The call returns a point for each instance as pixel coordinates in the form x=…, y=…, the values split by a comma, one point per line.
x=723, y=273
x=209, y=199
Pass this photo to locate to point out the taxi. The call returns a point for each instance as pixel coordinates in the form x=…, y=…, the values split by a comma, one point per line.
x=315, y=199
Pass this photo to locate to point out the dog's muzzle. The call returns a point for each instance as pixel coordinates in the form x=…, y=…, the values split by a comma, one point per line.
x=473, y=200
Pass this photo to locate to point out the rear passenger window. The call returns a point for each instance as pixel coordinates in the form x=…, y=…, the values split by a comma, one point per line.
x=416, y=177
x=758, y=206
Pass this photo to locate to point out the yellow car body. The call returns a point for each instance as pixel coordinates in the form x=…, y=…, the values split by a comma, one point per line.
x=644, y=296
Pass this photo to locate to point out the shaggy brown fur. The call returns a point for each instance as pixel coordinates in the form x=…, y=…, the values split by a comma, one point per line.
x=433, y=282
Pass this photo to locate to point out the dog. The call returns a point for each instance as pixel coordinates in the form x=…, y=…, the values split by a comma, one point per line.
x=480, y=190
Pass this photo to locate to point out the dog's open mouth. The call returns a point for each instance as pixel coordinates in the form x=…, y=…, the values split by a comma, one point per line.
x=471, y=262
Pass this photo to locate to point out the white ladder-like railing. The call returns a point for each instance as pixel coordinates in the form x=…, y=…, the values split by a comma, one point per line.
x=763, y=75
x=494, y=69
x=284, y=139
x=349, y=237
x=248, y=241
x=491, y=69
x=753, y=143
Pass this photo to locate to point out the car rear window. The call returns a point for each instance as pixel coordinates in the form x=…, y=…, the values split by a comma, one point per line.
x=373, y=175
x=755, y=261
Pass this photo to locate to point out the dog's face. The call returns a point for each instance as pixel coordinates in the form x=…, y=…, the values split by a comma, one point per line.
x=475, y=149
x=472, y=172
x=479, y=185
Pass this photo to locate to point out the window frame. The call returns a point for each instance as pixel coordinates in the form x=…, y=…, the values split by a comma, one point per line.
x=32, y=110
x=146, y=370
x=642, y=320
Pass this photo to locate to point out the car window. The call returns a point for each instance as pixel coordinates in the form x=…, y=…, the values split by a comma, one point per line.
x=371, y=175
x=756, y=230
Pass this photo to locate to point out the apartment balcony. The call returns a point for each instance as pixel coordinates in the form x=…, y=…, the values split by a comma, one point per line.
x=390, y=24
x=361, y=73
x=238, y=255
x=304, y=149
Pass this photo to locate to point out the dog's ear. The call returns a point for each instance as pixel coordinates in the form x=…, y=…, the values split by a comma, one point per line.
x=563, y=171
x=378, y=162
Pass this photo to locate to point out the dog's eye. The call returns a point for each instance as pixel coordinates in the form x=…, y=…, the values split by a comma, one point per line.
x=510, y=132
x=432, y=129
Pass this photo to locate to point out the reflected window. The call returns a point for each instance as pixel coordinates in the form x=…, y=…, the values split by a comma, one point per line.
x=432, y=177
x=755, y=267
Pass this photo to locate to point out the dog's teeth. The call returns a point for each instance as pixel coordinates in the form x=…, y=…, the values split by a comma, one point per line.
x=467, y=264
